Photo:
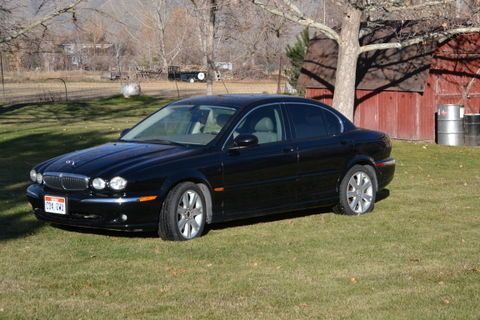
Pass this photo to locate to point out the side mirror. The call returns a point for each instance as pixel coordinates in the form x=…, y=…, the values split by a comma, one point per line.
x=124, y=132
x=244, y=141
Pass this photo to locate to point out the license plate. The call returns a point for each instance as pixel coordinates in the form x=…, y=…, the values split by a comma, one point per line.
x=55, y=205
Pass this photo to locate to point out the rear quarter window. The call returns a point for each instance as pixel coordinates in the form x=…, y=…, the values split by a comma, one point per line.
x=332, y=123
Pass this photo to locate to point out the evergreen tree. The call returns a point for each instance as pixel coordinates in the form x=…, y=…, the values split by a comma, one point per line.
x=296, y=55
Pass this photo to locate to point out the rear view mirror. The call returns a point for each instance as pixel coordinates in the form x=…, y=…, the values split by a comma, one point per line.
x=244, y=141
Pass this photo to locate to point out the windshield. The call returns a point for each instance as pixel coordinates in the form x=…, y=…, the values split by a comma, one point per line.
x=182, y=124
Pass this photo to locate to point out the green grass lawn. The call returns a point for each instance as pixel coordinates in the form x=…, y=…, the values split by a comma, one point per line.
x=417, y=256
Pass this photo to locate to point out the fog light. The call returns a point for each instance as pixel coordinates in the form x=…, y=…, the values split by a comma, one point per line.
x=124, y=217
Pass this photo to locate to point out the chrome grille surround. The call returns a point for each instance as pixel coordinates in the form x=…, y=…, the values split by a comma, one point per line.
x=66, y=181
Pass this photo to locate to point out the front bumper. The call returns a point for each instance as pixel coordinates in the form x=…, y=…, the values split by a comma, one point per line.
x=87, y=210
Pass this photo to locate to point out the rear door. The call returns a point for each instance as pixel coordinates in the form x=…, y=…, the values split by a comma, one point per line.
x=259, y=179
x=323, y=151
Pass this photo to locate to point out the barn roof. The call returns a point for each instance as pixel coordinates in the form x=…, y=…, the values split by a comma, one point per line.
x=403, y=69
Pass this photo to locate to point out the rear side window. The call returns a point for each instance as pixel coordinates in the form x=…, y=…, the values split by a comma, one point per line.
x=308, y=121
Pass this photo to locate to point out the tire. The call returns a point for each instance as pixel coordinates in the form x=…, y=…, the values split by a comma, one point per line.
x=355, y=199
x=183, y=213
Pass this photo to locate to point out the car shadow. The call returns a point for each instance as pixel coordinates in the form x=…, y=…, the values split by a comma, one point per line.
x=18, y=225
x=381, y=195
x=108, y=233
x=267, y=218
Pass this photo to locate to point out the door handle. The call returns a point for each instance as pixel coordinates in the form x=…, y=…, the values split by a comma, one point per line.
x=288, y=149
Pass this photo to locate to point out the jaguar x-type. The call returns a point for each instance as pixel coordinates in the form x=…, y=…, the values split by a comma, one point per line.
x=210, y=159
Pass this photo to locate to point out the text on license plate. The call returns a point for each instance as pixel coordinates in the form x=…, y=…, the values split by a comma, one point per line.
x=55, y=205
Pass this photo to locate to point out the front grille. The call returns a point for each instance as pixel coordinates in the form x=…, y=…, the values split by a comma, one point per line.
x=53, y=182
x=65, y=181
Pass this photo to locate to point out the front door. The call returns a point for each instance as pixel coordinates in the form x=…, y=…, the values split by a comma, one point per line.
x=259, y=179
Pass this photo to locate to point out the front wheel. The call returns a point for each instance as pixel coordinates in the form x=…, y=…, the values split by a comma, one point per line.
x=357, y=191
x=183, y=213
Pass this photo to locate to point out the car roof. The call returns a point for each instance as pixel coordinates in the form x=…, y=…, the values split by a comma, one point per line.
x=239, y=100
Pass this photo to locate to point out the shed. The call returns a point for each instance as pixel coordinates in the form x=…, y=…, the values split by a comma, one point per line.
x=398, y=90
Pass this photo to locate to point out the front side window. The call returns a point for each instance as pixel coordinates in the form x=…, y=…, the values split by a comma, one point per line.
x=184, y=124
x=266, y=123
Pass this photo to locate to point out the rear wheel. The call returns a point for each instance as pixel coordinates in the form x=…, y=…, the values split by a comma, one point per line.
x=183, y=213
x=357, y=191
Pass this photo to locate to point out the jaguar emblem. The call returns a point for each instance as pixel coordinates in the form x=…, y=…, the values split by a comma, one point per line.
x=71, y=162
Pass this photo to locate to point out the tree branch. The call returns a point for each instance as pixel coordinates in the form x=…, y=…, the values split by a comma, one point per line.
x=409, y=7
x=293, y=7
x=39, y=22
x=300, y=19
x=429, y=36
x=420, y=11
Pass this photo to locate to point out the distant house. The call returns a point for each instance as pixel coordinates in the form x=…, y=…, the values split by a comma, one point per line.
x=224, y=66
x=79, y=53
x=398, y=90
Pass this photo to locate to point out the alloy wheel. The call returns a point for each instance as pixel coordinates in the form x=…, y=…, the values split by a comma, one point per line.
x=360, y=192
x=190, y=214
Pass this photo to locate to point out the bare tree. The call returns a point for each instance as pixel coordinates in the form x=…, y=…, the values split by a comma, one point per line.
x=206, y=12
x=23, y=29
x=160, y=28
x=154, y=15
x=255, y=39
x=356, y=11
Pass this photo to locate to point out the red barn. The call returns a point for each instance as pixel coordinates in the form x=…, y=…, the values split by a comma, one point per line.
x=398, y=90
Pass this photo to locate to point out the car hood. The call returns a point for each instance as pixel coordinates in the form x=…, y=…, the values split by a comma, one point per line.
x=113, y=158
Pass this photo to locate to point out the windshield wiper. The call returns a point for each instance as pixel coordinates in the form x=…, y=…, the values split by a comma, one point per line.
x=163, y=141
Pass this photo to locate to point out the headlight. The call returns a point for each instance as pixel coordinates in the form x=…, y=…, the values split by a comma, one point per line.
x=33, y=175
x=39, y=178
x=99, y=183
x=118, y=183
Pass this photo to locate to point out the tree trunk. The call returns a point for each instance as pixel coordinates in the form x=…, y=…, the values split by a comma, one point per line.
x=161, y=35
x=348, y=51
x=163, y=52
x=210, y=50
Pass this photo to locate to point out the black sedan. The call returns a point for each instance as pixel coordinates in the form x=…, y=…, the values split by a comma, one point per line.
x=210, y=159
